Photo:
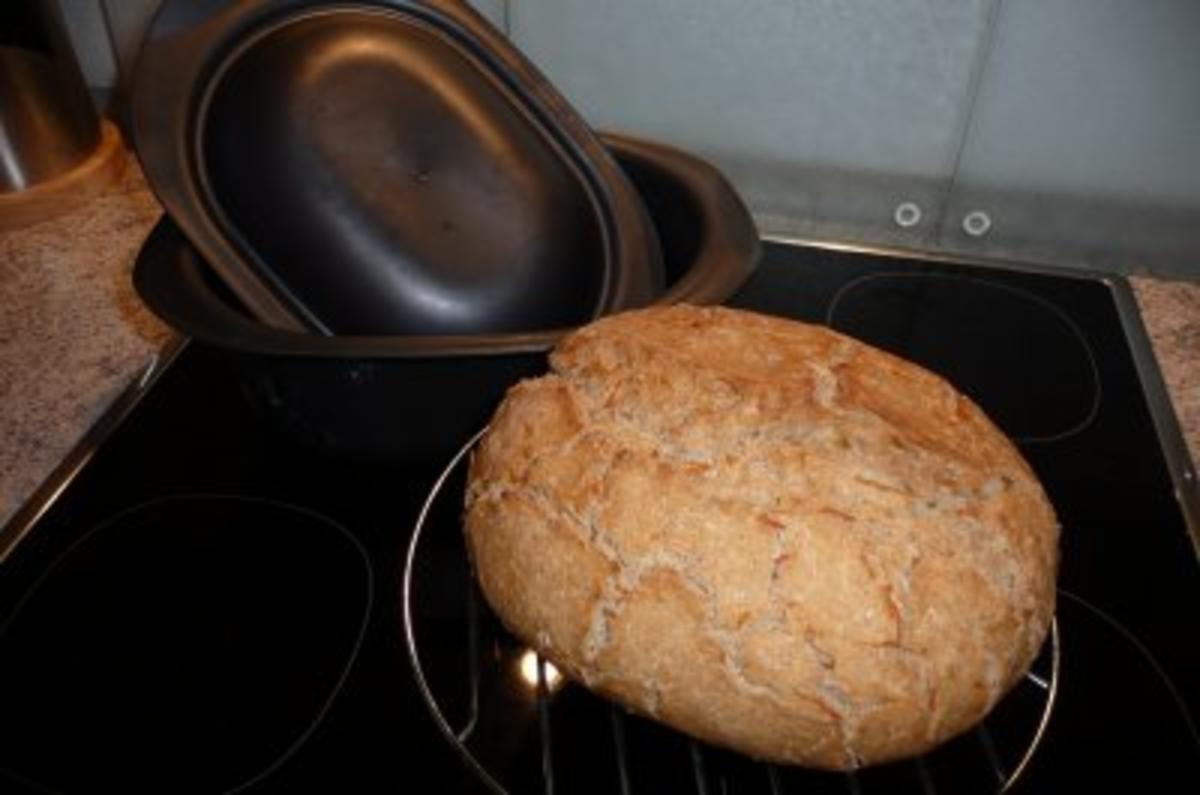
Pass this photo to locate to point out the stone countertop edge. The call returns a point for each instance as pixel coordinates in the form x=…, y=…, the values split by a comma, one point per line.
x=74, y=335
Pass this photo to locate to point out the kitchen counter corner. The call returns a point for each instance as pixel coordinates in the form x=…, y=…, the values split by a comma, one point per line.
x=73, y=332
x=1171, y=313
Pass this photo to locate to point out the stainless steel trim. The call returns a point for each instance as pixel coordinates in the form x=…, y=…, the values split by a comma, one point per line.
x=46, y=495
x=1166, y=423
x=930, y=255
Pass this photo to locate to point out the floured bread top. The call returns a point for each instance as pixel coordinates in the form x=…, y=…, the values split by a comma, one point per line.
x=765, y=534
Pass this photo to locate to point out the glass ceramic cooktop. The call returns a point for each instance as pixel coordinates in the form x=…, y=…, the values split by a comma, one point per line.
x=210, y=606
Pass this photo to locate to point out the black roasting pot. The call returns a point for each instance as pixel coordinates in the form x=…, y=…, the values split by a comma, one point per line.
x=384, y=167
x=366, y=396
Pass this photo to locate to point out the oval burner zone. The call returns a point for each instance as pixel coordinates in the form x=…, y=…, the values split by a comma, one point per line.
x=188, y=644
x=1017, y=355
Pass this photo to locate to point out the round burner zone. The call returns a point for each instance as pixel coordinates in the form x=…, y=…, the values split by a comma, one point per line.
x=984, y=337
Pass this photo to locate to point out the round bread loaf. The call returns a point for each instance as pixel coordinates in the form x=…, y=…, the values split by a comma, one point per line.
x=765, y=534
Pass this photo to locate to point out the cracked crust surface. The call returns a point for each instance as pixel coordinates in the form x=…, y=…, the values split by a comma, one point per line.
x=765, y=534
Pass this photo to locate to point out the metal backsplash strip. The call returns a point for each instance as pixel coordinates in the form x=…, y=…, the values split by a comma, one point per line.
x=1047, y=131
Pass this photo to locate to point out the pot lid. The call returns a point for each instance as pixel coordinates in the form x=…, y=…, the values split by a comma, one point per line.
x=385, y=167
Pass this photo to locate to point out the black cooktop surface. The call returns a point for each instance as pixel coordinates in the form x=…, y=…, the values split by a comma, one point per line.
x=210, y=607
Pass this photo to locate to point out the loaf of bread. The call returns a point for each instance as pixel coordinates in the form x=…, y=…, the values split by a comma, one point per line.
x=765, y=534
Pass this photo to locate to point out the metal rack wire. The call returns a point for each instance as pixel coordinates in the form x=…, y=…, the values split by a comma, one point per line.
x=627, y=754
x=774, y=780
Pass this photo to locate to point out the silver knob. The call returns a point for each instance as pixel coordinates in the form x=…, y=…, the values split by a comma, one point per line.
x=976, y=223
x=907, y=215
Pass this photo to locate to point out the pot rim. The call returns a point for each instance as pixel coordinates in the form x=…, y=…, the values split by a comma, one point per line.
x=182, y=296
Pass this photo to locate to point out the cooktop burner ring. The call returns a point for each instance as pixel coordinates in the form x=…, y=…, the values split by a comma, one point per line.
x=1130, y=641
x=957, y=340
x=164, y=613
x=502, y=672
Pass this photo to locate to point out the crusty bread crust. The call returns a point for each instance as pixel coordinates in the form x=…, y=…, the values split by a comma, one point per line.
x=765, y=534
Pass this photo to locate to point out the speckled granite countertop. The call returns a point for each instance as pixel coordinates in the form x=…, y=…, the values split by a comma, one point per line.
x=73, y=333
